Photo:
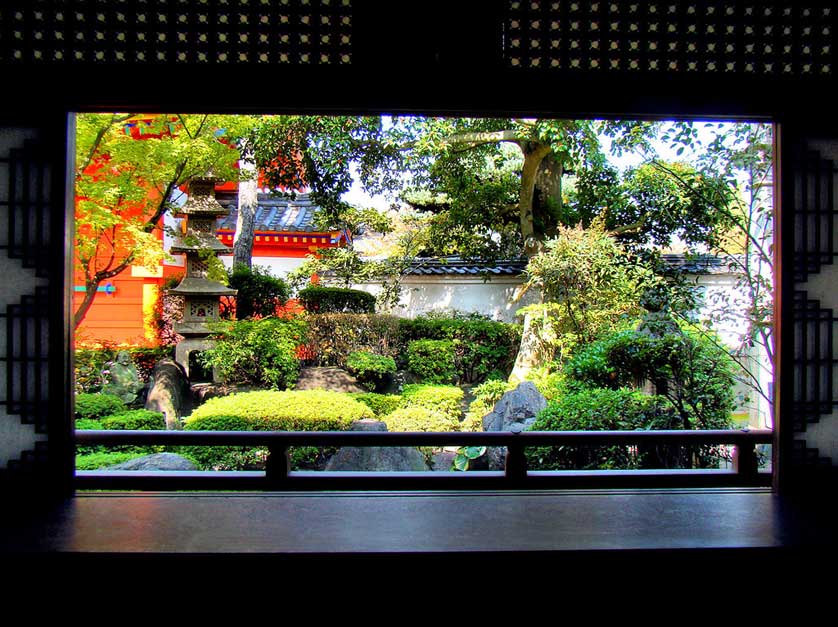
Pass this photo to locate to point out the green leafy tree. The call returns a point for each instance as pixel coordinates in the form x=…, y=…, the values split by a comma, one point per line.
x=733, y=177
x=125, y=184
x=589, y=284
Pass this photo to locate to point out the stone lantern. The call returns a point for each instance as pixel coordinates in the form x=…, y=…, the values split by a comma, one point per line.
x=201, y=296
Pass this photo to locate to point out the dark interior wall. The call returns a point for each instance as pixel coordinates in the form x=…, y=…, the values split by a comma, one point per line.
x=766, y=60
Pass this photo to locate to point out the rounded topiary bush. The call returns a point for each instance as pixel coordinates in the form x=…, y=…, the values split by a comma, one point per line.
x=420, y=419
x=445, y=399
x=302, y=410
x=268, y=410
x=381, y=404
x=135, y=420
x=94, y=406
x=370, y=369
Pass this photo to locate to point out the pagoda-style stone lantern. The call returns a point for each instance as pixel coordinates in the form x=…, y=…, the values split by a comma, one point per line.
x=201, y=296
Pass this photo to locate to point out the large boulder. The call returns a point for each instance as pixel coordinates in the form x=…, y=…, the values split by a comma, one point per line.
x=515, y=412
x=328, y=378
x=156, y=461
x=169, y=392
x=379, y=458
x=517, y=407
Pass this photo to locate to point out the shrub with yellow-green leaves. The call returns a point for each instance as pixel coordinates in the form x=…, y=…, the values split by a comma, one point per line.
x=420, y=419
x=302, y=410
x=444, y=399
x=268, y=410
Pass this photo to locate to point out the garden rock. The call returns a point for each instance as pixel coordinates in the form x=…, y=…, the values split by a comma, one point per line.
x=380, y=459
x=156, y=461
x=516, y=412
x=328, y=378
x=519, y=406
x=169, y=392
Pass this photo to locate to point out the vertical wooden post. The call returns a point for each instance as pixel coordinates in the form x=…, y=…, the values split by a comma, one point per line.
x=277, y=467
x=745, y=461
x=516, y=464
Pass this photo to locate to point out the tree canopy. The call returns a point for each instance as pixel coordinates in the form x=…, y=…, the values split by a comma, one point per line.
x=128, y=171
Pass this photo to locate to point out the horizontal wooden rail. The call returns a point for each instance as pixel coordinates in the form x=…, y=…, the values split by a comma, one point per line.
x=279, y=476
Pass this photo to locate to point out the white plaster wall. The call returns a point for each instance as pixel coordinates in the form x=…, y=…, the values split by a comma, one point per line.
x=17, y=281
x=278, y=266
x=495, y=298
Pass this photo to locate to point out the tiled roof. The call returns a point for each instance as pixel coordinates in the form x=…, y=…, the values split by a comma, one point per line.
x=698, y=264
x=452, y=266
x=273, y=214
x=457, y=266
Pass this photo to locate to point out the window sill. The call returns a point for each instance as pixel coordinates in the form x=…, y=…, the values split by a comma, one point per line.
x=409, y=523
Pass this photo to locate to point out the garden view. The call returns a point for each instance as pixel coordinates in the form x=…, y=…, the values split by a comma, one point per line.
x=644, y=299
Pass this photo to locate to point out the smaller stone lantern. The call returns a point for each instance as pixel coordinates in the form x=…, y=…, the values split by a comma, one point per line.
x=201, y=296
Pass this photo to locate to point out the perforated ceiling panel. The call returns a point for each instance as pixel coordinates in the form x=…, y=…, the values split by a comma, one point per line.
x=176, y=31
x=712, y=37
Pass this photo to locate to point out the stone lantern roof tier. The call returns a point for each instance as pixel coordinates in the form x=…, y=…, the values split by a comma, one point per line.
x=197, y=286
x=201, y=201
x=196, y=241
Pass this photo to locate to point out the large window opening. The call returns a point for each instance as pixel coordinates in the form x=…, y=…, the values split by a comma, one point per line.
x=484, y=277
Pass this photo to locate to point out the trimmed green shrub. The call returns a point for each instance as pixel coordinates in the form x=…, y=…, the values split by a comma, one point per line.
x=102, y=459
x=225, y=457
x=445, y=399
x=259, y=292
x=432, y=360
x=332, y=337
x=689, y=368
x=483, y=348
x=309, y=410
x=417, y=418
x=88, y=424
x=370, y=369
x=136, y=419
x=93, y=406
x=316, y=299
x=380, y=404
x=306, y=410
x=257, y=352
x=599, y=410
x=139, y=419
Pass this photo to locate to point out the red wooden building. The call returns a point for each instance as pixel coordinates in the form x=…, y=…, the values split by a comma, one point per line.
x=285, y=233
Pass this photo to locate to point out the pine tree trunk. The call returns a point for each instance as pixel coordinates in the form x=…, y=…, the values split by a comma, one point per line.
x=541, y=191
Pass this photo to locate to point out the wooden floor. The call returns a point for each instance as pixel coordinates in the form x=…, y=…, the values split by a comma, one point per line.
x=731, y=533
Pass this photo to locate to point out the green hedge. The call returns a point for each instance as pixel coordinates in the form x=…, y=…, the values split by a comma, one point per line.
x=317, y=299
x=332, y=337
x=599, y=410
x=483, y=348
x=93, y=406
x=432, y=360
x=87, y=457
x=259, y=292
x=689, y=367
x=257, y=352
